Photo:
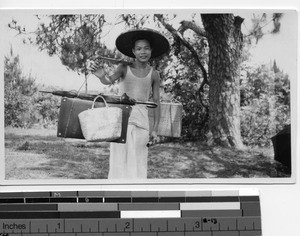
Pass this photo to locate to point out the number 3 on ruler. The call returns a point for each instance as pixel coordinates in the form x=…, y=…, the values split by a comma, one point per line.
x=197, y=225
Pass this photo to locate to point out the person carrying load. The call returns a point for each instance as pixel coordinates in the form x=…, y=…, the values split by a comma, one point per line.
x=138, y=80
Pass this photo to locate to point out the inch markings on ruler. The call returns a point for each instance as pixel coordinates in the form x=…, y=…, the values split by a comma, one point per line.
x=25, y=226
x=137, y=213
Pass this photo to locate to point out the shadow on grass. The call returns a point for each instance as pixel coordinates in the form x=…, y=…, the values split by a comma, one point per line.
x=40, y=154
x=70, y=161
x=201, y=161
x=66, y=159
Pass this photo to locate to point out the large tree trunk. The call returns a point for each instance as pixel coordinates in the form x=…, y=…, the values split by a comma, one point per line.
x=225, y=46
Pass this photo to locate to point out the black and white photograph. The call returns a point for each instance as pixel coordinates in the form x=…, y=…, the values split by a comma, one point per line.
x=149, y=96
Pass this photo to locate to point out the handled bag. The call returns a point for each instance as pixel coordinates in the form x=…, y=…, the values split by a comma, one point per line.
x=170, y=119
x=101, y=124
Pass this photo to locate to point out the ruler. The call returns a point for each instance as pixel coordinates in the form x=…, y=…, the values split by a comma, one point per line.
x=130, y=213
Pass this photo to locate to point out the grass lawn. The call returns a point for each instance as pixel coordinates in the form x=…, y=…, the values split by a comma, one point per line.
x=39, y=154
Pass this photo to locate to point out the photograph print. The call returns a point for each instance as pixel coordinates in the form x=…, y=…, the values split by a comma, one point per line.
x=170, y=96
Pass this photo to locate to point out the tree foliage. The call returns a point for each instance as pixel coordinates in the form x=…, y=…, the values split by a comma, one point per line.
x=23, y=105
x=75, y=39
x=260, y=26
x=265, y=104
x=182, y=81
x=16, y=90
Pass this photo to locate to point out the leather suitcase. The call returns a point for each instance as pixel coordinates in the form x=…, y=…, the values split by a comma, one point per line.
x=68, y=122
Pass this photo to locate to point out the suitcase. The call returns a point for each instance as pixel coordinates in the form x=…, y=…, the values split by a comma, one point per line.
x=68, y=121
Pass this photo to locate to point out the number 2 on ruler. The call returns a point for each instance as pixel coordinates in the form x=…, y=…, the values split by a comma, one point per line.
x=127, y=225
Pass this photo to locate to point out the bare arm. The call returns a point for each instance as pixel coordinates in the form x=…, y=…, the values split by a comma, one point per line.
x=156, y=99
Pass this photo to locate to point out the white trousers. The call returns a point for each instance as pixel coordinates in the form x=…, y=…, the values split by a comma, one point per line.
x=129, y=160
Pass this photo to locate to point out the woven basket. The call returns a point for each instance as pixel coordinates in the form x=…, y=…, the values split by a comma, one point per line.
x=101, y=124
x=170, y=119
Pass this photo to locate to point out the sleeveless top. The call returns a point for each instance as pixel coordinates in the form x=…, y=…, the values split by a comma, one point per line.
x=139, y=89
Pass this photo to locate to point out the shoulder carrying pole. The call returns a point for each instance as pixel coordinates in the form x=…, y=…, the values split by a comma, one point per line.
x=123, y=99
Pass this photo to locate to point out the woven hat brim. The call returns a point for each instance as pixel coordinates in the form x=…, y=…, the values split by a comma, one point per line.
x=160, y=45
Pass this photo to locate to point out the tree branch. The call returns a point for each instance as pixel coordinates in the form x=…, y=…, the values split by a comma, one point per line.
x=182, y=41
x=185, y=25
